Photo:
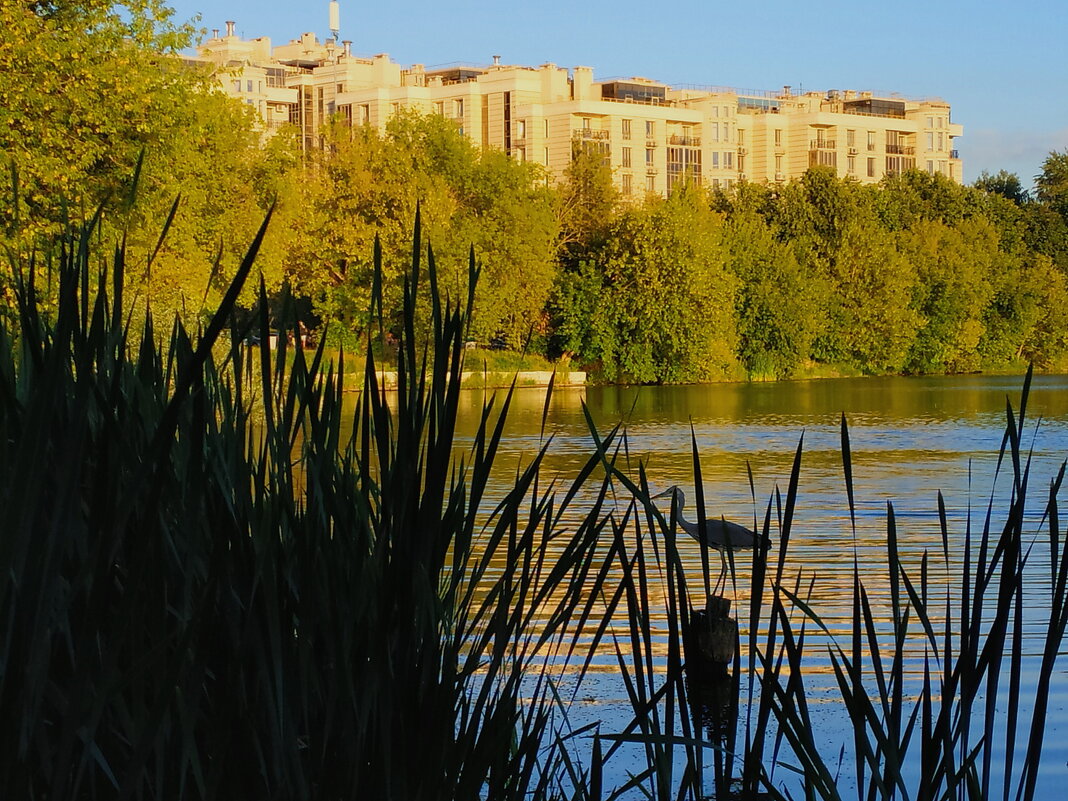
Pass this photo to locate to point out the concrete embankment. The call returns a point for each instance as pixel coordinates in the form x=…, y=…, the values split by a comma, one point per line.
x=475, y=379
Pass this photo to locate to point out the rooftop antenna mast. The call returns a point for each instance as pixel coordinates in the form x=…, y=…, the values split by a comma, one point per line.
x=335, y=18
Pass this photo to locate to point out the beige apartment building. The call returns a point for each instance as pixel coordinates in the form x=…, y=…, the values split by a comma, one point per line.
x=652, y=135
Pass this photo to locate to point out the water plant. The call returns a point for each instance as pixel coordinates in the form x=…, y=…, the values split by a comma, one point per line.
x=220, y=579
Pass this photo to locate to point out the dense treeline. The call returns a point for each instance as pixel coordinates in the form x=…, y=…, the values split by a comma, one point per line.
x=917, y=274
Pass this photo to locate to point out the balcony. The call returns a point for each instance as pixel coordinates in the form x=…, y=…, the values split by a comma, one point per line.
x=900, y=150
x=685, y=141
x=823, y=144
x=650, y=170
x=743, y=151
x=590, y=133
x=954, y=154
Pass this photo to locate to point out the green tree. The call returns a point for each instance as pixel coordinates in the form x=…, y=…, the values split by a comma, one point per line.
x=871, y=323
x=367, y=184
x=663, y=307
x=1004, y=183
x=953, y=266
x=1051, y=185
x=776, y=303
x=85, y=86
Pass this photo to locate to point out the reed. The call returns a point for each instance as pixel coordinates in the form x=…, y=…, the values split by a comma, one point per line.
x=218, y=581
x=209, y=590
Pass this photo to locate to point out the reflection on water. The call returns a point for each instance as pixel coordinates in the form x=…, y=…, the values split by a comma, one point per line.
x=910, y=437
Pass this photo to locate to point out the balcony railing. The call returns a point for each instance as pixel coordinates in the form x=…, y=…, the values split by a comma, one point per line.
x=687, y=141
x=901, y=150
x=823, y=144
x=590, y=133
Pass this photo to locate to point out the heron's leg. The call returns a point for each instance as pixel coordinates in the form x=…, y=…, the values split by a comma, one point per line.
x=721, y=582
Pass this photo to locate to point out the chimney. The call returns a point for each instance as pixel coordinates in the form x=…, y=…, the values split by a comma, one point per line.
x=348, y=47
x=496, y=61
x=214, y=33
x=230, y=27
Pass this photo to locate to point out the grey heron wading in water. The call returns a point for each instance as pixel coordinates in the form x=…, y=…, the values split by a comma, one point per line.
x=718, y=534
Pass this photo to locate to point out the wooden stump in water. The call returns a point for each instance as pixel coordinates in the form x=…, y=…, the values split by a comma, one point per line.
x=711, y=642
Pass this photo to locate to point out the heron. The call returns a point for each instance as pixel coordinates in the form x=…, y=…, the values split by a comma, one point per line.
x=717, y=534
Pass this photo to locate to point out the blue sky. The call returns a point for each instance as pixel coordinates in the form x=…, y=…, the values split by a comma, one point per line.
x=1003, y=67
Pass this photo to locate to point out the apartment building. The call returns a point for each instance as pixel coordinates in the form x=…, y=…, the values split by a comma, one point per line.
x=652, y=135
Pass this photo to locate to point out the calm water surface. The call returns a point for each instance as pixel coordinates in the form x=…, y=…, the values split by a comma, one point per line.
x=911, y=438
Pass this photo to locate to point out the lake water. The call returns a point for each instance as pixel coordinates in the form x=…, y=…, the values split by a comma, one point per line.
x=911, y=437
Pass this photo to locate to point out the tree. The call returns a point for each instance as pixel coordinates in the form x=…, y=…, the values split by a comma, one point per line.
x=366, y=184
x=660, y=306
x=953, y=267
x=1004, y=183
x=85, y=86
x=776, y=305
x=1051, y=185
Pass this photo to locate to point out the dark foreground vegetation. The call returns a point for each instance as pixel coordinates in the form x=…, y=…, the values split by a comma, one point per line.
x=207, y=591
x=819, y=276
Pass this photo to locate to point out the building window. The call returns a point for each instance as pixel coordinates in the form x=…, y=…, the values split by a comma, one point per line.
x=871, y=168
x=626, y=185
x=365, y=114
x=237, y=86
x=930, y=141
x=715, y=132
x=521, y=129
x=851, y=164
x=546, y=157
x=871, y=140
x=778, y=137
x=851, y=138
x=930, y=167
x=649, y=155
x=650, y=129
x=626, y=157
x=728, y=160
x=546, y=129
x=458, y=108
x=650, y=183
x=741, y=137
x=715, y=160
x=248, y=86
x=778, y=164
x=626, y=129
x=439, y=107
x=941, y=141
x=585, y=123
x=930, y=122
x=741, y=163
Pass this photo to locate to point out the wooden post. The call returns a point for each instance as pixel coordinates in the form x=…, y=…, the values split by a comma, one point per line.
x=712, y=641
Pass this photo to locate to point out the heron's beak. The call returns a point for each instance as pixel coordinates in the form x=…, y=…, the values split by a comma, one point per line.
x=665, y=493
